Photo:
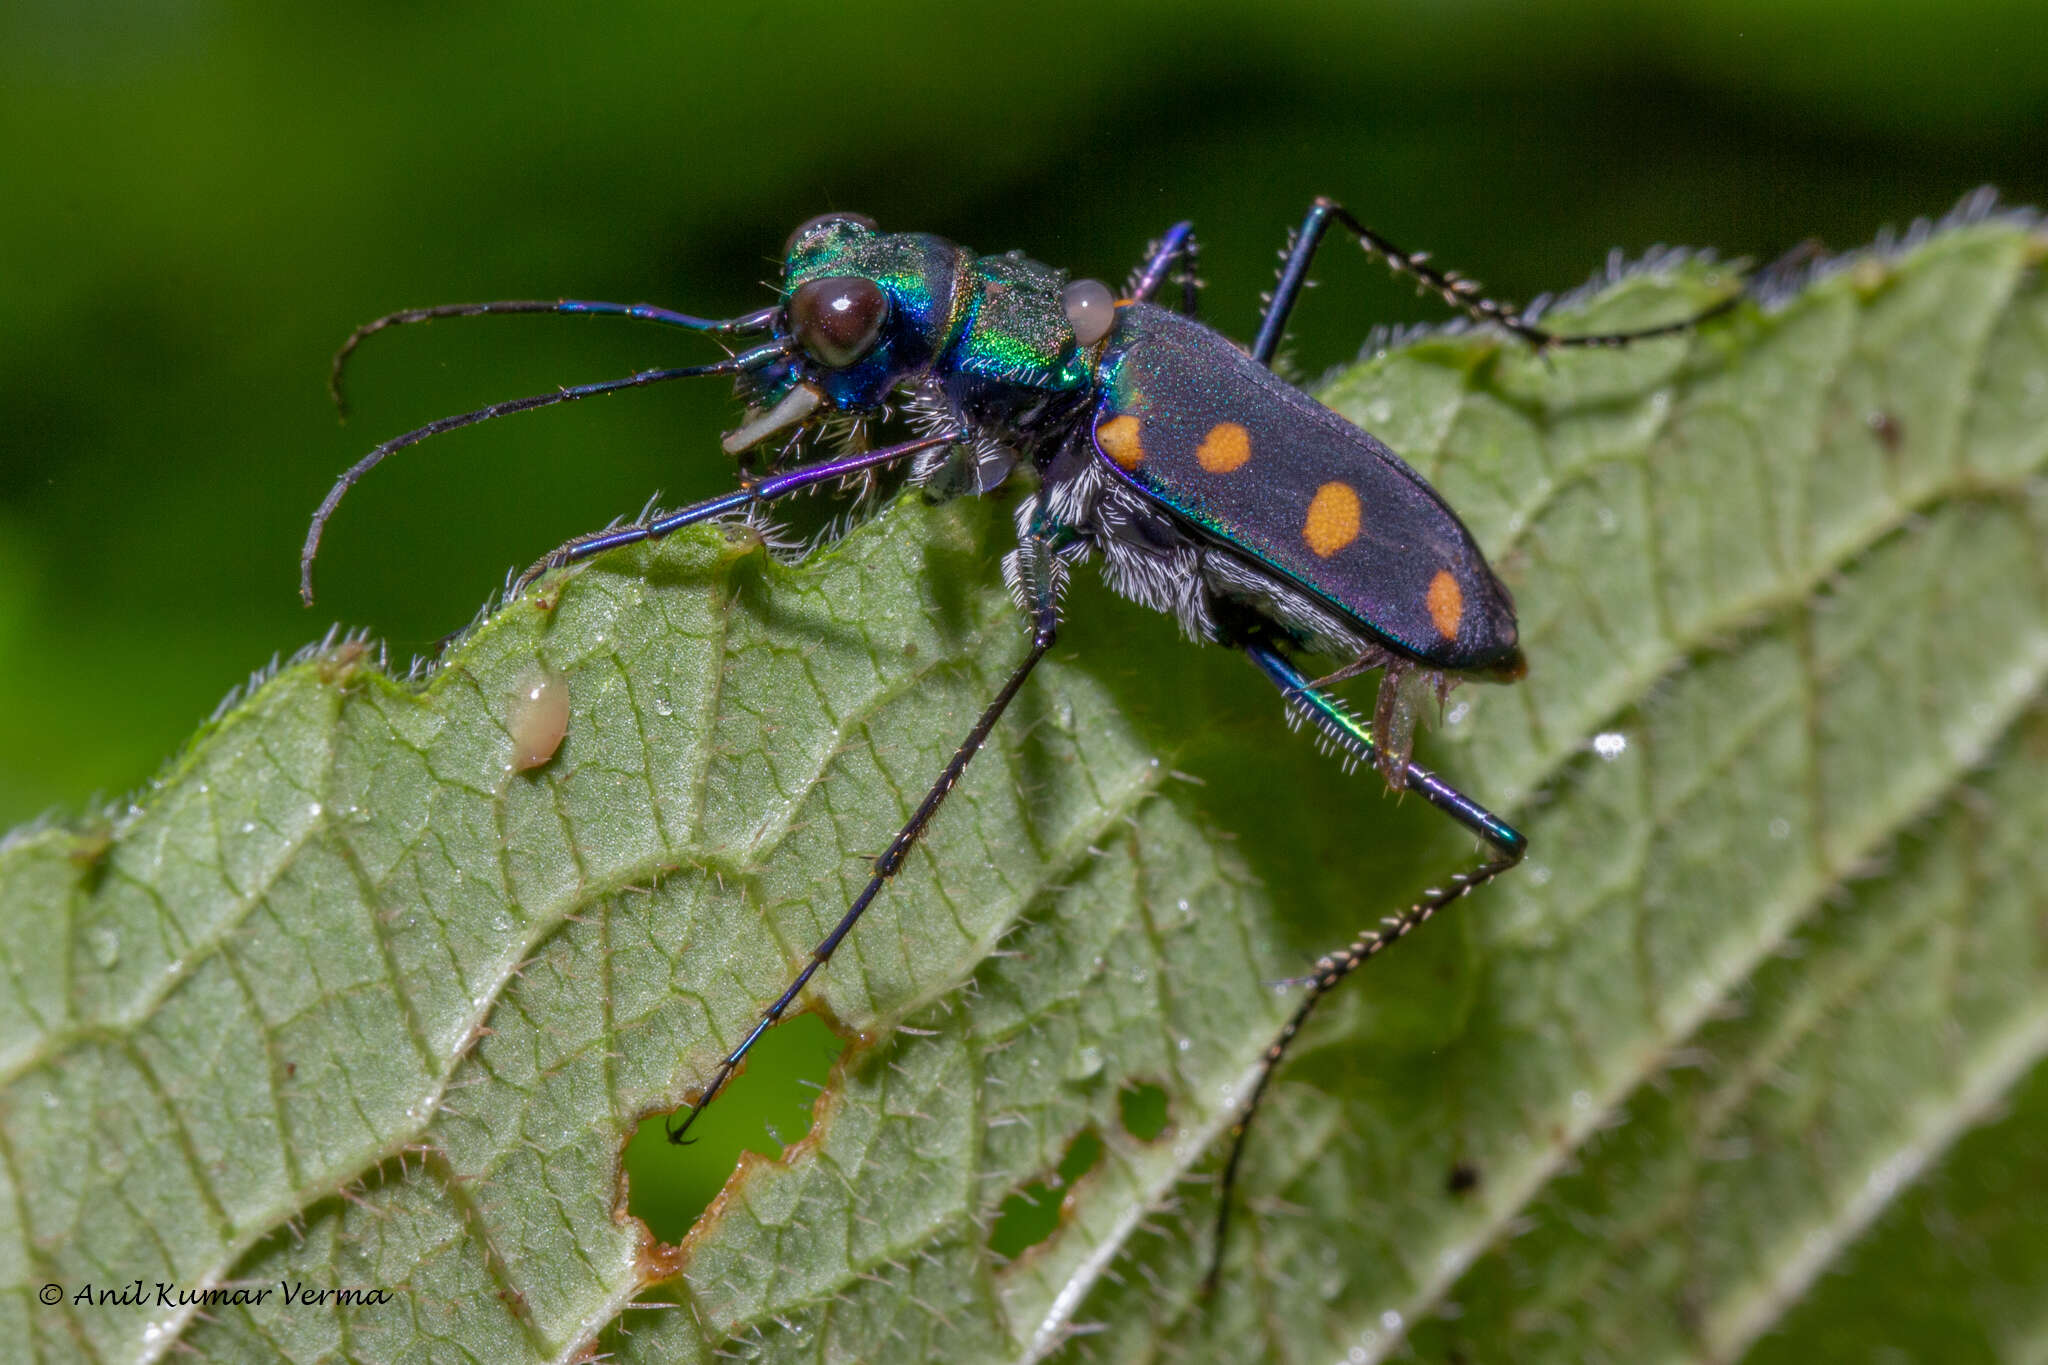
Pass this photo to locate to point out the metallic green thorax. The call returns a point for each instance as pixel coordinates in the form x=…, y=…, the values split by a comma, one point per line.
x=1016, y=329
x=994, y=319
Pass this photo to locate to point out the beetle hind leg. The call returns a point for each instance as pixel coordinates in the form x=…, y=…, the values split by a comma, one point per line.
x=1356, y=743
x=1453, y=288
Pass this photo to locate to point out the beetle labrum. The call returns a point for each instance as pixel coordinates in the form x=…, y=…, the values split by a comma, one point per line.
x=1210, y=489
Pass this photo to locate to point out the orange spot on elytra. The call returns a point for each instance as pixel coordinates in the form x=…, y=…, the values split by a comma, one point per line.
x=1332, y=521
x=1226, y=447
x=1118, y=438
x=1446, y=604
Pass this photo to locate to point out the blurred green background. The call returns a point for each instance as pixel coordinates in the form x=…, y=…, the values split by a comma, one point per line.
x=200, y=200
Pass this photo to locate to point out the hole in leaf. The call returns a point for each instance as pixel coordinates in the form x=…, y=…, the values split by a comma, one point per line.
x=1463, y=1179
x=765, y=1109
x=1032, y=1214
x=1143, y=1110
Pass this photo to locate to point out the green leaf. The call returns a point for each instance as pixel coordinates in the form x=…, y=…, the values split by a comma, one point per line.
x=1746, y=1059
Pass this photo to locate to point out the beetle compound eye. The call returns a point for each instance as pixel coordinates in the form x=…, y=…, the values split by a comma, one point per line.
x=838, y=319
x=810, y=225
x=1091, y=308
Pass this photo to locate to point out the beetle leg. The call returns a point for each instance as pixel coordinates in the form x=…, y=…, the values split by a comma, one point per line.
x=1355, y=741
x=1174, y=255
x=1454, y=289
x=755, y=491
x=1041, y=587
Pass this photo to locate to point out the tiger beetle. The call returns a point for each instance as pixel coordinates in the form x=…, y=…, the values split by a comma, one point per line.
x=1210, y=488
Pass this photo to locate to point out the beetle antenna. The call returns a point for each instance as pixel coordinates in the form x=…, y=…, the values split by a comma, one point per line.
x=747, y=324
x=738, y=364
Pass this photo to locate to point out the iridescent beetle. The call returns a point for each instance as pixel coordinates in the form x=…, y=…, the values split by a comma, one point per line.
x=1210, y=488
